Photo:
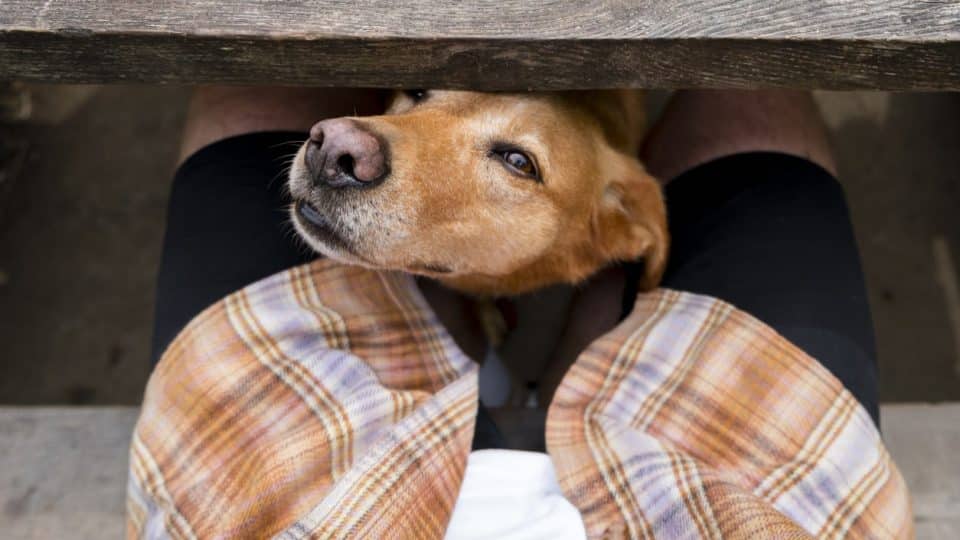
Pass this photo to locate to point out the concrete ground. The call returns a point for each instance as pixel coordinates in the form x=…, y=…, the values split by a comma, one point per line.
x=81, y=226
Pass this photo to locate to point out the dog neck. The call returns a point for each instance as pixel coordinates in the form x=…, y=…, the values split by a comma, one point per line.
x=551, y=270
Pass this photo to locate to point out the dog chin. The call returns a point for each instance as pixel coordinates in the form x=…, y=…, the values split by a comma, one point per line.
x=327, y=243
x=327, y=249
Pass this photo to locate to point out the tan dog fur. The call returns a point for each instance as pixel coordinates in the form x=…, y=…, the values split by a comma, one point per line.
x=451, y=211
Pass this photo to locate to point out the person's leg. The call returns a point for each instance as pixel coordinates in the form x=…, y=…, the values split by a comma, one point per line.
x=758, y=220
x=219, y=112
x=699, y=126
x=227, y=223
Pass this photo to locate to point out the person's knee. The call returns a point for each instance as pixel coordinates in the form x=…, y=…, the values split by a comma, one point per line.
x=702, y=125
x=219, y=112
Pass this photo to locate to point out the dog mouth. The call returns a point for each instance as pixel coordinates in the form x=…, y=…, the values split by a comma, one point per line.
x=318, y=227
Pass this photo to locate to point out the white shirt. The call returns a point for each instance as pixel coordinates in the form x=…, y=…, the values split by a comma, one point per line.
x=512, y=495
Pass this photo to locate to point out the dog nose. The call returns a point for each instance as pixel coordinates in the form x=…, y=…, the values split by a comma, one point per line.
x=341, y=152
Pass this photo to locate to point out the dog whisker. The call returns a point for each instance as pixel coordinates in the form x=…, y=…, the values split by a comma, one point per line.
x=284, y=173
x=297, y=142
x=285, y=156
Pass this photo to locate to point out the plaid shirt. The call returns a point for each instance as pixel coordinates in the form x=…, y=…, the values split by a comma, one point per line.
x=327, y=401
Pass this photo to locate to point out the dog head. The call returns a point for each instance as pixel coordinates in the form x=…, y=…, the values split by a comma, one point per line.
x=489, y=193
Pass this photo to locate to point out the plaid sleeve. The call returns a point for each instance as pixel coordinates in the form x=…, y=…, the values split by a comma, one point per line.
x=695, y=420
x=325, y=401
x=328, y=402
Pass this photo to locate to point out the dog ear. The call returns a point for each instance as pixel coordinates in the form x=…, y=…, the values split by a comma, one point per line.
x=630, y=221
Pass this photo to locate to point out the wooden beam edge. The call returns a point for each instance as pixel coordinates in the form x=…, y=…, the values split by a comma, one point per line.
x=480, y=63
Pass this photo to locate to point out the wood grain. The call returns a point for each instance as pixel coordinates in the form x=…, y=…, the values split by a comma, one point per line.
x=63, y=471
x=923, y=440
x=64, y=468
x=502, y=45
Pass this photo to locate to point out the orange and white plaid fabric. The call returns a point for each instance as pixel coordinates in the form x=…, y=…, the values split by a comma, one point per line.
x=328, y=402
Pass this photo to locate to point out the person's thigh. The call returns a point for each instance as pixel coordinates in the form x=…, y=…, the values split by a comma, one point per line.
x=227, y=227
x=771, y=234
x=227, y=223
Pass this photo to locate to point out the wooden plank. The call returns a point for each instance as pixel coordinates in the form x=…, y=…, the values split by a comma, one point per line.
x=63, y=471
x=924, y=440
x=65, y=468
x=488, y=45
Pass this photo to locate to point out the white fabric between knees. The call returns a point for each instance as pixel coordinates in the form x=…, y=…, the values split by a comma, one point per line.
x=512, y=495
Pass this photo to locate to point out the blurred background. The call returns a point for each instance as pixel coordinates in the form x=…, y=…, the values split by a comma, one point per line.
x=85, y=174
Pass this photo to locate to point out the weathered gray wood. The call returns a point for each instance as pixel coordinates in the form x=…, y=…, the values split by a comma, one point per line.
x=924, y=440
x=63, y=469
x=503, y=44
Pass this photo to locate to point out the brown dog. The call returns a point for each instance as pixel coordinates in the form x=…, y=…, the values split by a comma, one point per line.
x=491, y=194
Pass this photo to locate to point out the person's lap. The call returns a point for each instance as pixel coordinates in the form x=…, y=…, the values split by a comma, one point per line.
x=768, y=232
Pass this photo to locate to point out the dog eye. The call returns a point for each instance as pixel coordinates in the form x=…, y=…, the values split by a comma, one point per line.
x=417, y=95
x=518, y=162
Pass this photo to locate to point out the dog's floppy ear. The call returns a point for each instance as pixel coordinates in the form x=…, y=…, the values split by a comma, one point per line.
x=630, y=221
